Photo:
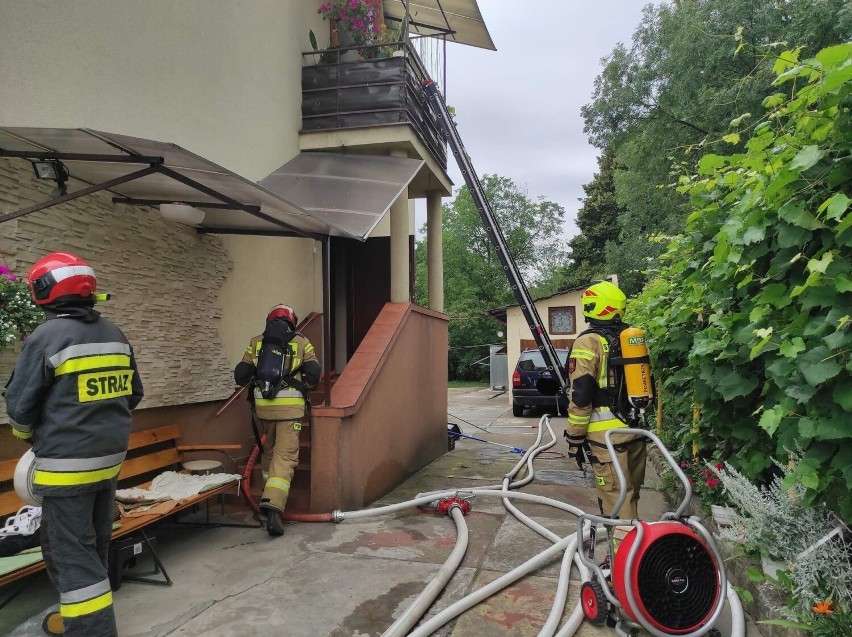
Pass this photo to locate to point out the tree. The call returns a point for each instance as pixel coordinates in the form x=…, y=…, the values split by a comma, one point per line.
x=598, y=224
x=473, y=276
x=693, y=66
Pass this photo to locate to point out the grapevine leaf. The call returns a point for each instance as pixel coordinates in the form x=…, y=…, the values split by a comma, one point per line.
x=831, y=429
x=842, y=394
x=793, y=347
x=835, y=205
x=806, y=158
x=794, y=212
x=770, y=420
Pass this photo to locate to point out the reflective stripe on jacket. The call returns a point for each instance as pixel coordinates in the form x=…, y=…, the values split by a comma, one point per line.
x=289, y=402
x=588, y=357
x=72, y=391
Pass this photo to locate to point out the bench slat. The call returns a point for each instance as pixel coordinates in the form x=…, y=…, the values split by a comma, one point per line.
x=149, y=462
x=7, y=469
x=152, y=436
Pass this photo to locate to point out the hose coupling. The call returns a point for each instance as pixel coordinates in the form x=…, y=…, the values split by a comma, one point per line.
x=337, y=516
x=446, y=505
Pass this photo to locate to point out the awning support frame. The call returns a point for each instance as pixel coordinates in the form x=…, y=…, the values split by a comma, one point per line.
x=155, y=165
x=79, y=193
x=252, y=210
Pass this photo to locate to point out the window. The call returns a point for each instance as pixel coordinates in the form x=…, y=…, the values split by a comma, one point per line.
x=563, y=320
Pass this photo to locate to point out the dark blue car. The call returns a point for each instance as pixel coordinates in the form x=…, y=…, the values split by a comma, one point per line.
x=529, y=369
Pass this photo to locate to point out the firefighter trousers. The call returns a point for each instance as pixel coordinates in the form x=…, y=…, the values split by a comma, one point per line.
x=280, y=457
x=75, y=536
x=631, y=457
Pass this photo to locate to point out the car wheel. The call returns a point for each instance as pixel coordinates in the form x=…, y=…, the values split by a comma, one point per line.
x=517, y=410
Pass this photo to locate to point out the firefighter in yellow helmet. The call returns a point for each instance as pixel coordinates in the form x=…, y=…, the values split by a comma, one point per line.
x=279, y=367
x=598, y=404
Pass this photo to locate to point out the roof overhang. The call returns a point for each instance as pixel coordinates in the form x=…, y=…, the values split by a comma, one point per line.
x=148, y=173
x=350, y=192
x=458, y=20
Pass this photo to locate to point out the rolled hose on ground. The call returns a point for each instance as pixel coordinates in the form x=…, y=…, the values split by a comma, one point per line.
x=568, y=545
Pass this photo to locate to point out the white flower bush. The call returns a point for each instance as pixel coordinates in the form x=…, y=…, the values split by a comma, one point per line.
x=18, y=314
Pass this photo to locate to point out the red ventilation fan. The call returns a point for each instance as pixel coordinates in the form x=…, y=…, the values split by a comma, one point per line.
x=667, y=576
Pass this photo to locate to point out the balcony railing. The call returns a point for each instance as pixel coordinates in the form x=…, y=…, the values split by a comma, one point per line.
x=349, y=91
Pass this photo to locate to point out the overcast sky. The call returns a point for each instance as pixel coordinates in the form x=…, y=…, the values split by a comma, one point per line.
x=518, y=108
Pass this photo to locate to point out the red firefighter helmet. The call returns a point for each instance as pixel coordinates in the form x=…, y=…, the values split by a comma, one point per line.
x=60, y=274
x=283, y=312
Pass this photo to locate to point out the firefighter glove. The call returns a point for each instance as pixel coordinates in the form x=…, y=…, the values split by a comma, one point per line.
x=244, y=373
x=575, y=448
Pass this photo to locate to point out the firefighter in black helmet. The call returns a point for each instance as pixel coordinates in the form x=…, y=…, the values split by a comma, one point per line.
x=280, y=366
x=70, y=395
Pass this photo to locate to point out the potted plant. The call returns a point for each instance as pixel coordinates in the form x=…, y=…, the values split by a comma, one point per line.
x=360, y=19
x=18, y=315
x=714, y=496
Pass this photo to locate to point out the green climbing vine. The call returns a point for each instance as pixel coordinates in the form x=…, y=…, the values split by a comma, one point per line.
x=749, y=312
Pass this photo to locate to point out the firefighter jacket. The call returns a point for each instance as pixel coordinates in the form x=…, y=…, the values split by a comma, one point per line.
x=589, y=412
x=289, y=403
x=71, y=394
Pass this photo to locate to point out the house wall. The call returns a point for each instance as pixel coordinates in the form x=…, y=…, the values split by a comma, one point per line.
x=517, y=329
x=220, y=78
x=164, y=278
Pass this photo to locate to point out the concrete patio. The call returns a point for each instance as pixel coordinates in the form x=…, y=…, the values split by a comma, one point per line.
x=355, y=578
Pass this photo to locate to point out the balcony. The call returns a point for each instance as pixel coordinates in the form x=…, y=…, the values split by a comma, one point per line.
x=350, y=93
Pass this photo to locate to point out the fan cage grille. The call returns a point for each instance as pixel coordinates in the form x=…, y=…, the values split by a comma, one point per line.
x=677, y=581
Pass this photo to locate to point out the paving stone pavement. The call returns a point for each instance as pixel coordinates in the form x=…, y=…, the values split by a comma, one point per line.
x=353, y=579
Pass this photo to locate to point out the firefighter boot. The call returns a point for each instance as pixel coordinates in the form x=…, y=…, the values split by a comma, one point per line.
x=52, y=624
x=274, y=525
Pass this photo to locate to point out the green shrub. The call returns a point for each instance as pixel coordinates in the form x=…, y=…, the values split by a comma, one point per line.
x=749, y=313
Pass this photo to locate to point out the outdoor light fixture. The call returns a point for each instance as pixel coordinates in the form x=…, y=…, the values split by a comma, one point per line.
x=182, y=213
x=53, y=170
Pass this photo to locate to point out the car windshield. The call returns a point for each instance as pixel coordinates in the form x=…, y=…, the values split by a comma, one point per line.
x=534, y=361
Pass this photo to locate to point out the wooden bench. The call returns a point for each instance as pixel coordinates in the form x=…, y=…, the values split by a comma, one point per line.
x=151, y=451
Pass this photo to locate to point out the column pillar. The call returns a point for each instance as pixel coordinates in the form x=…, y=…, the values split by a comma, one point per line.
x=435, y=250
x=399, y=257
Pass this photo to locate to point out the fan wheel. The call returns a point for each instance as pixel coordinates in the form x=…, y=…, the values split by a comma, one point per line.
x=595, y=603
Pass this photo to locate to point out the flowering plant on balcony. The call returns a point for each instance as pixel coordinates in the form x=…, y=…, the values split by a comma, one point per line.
x=18, y=315
x=360, y=19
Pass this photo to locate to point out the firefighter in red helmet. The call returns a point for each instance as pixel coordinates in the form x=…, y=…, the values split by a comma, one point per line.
x=71, y=394
x=279, y=367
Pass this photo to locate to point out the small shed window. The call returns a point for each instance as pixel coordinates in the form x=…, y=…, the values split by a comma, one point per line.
x=562, y=320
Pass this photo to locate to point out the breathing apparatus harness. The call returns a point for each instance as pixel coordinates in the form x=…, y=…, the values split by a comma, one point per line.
x=630, y=386
x=274, y=361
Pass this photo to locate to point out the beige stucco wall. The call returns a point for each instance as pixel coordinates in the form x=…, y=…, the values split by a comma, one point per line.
x=255, y=284
x=220, y=78
x=517, y=329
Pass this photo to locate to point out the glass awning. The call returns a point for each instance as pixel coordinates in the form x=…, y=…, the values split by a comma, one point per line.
x=349, y=191
x=313, y=195
x=460, y=20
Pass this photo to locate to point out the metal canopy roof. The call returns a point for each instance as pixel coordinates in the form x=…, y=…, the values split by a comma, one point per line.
x=146, y=172
x=460, y=20
x=350, y=192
